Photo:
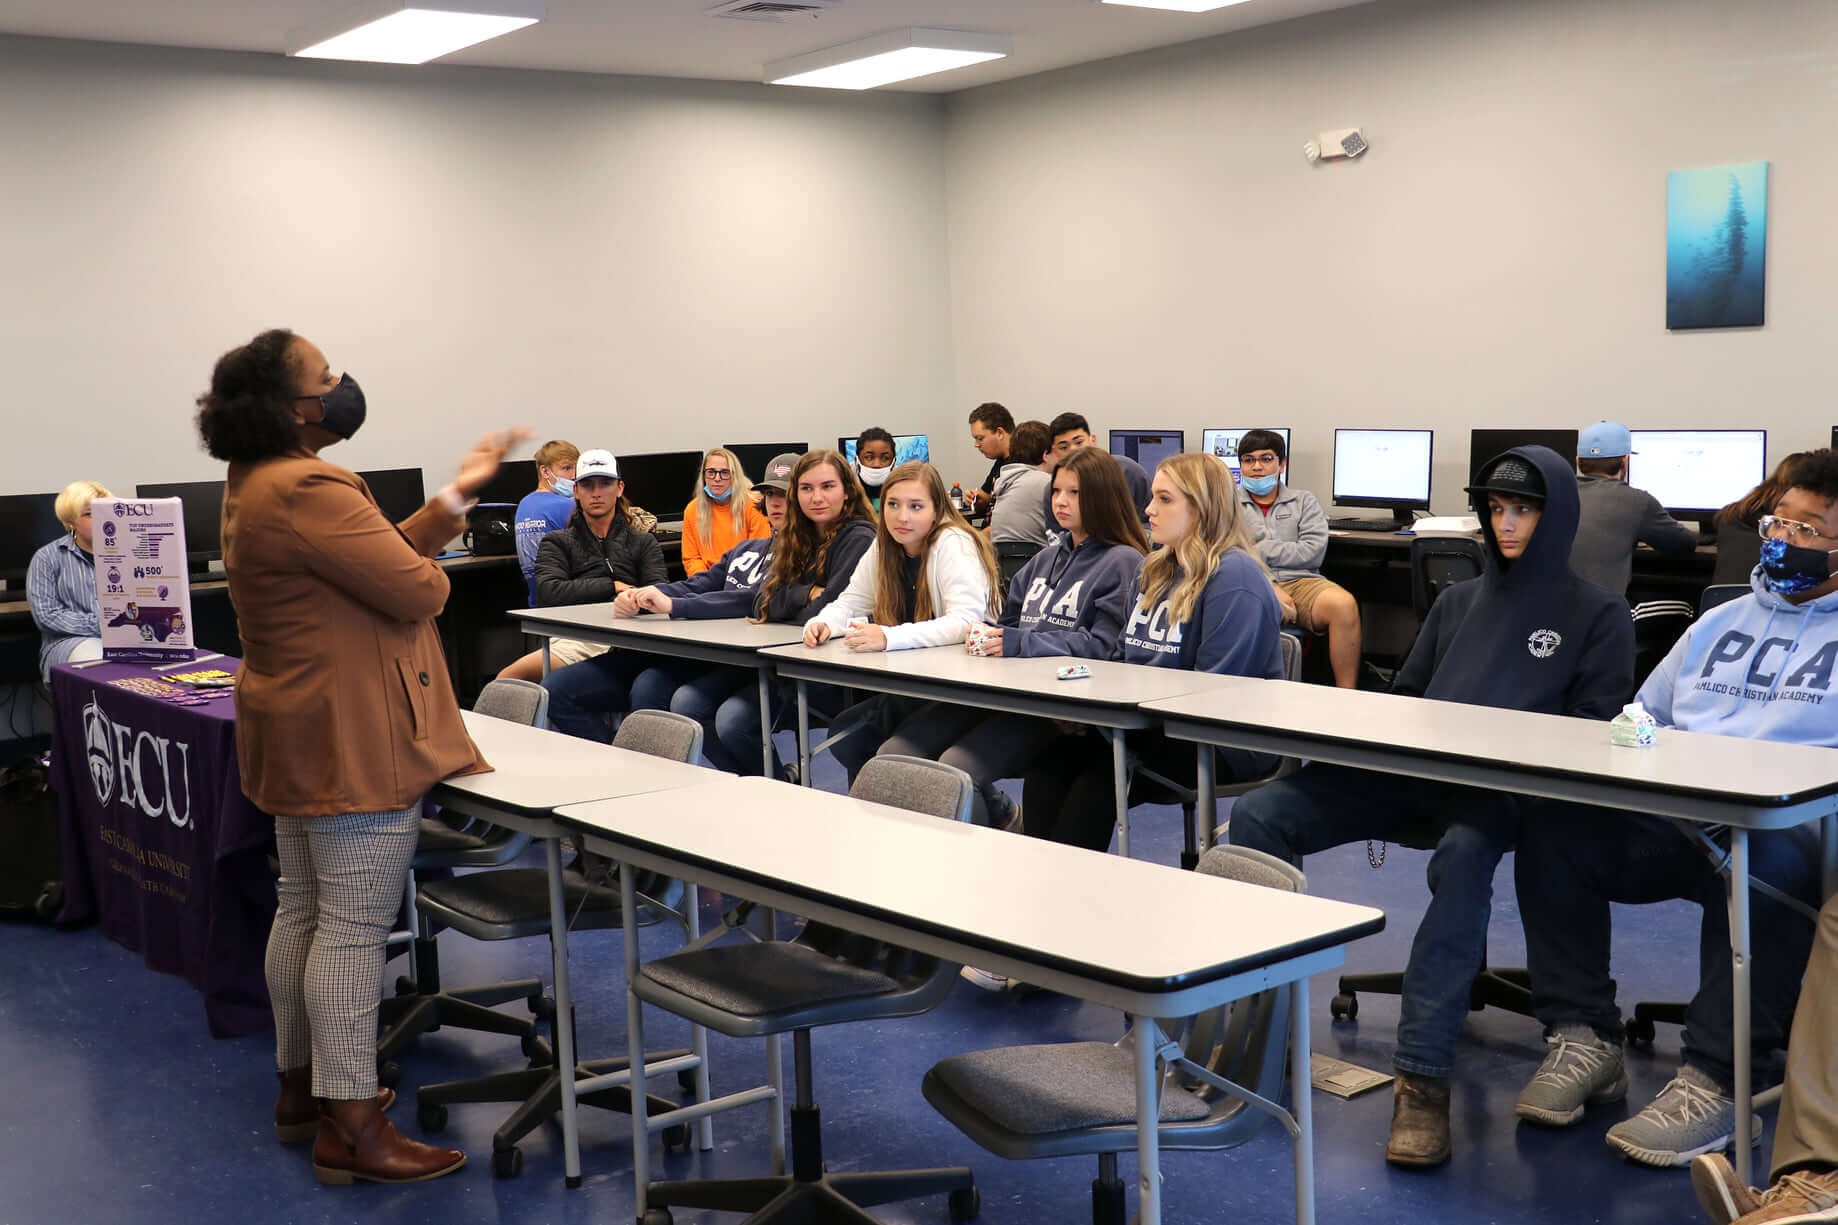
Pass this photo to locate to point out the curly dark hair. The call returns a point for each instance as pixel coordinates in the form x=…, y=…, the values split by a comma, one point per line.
x=1816, y=472
x=247, y=415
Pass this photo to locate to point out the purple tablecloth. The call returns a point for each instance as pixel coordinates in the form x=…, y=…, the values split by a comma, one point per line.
x=159, y=842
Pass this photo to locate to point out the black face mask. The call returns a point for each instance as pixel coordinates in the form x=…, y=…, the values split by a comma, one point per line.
x=1792, y=569
x=343, y=407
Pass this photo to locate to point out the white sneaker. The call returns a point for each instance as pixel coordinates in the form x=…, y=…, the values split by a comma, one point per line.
x=987, y=981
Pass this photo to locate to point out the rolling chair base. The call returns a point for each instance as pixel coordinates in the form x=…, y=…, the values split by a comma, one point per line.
x=1507, y=988
x=412, y=1013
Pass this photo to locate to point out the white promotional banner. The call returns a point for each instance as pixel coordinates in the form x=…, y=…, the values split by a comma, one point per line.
x=143, y=585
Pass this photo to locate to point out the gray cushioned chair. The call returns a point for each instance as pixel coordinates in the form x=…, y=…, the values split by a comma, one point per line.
x=823, y=977
x=1079, y=1098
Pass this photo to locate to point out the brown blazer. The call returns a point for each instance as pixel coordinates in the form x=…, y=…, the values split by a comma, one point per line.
x=343, y=703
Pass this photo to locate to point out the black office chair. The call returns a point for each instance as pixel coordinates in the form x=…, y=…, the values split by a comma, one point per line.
x=1438, y=563
x=823, y=977
x=1011, y=555
x=1720, y=593
x=1075, y=1098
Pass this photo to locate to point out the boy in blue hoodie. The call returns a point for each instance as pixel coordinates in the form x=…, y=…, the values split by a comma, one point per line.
x=1760, y=666
x=1529, y=634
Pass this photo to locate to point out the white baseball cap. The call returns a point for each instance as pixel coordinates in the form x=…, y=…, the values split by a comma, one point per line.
x=596, y=463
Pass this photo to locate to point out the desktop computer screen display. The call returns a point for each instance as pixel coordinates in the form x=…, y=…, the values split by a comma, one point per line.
x=662, y=482
x=754, y=456
x=203, y=508
x=1483, y=445
x=905, y=447
x=398, y=491
x=1697, y=471
x=1382, y=468
x=28, y=522
x=514, y=480
x=1223, y=441
x=1148, y=447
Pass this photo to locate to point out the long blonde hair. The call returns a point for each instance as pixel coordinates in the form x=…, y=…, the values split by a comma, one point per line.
x=1218, y=528
x=707, y=508
x=889, y=601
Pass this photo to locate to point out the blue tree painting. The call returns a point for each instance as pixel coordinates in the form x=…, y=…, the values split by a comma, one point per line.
x=1717, y=247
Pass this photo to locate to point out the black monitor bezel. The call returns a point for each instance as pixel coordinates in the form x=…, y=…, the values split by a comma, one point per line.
x=192, y=551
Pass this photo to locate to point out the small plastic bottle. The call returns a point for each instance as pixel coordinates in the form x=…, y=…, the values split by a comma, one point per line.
x=957, y=497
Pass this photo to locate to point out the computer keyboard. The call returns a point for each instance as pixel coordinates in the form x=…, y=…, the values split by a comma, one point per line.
x=1362, y=525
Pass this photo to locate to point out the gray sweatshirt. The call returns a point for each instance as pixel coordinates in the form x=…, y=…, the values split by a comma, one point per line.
x=1615, y=516
x=1292, y=538
x=1018, y=513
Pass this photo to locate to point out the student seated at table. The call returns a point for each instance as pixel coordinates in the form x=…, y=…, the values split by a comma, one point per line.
x=926, y=579
x=1529, y=634
x=1760, y=666
x=1023, y=488
x=828, y=529
x=1616, y=516
x=721, y=515
x=548, y=508
x=598, y=555
x=730, y=588
x=1738, y=541
x=992, y=429
x=1070, y=432
x=1071, y=599
x=1202, y=602
x=874, y=459
x=61, y=583
x=1291, y=534
x=1804, y=1167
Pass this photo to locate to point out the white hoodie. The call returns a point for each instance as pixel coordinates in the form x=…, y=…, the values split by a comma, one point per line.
x=959, y=586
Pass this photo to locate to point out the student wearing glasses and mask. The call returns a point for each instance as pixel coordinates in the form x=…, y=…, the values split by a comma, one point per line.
x=721, y=515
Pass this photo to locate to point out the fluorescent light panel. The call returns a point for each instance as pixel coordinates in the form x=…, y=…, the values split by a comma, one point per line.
x=1177, y=6
x=900, y=55
x=399, y=33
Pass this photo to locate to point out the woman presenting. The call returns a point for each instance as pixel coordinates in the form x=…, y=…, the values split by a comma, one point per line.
x=344, y=719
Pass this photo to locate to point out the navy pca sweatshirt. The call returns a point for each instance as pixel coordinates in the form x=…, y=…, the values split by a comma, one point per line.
x=729, y=588
x=1070, y=601
x=1528, y=634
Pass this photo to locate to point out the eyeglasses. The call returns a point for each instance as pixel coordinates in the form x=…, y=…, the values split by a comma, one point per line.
x=1791, y=530
x=711, y=475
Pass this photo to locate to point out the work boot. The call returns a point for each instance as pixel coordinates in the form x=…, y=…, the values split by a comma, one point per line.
x=1721, y=1194
x=1419, y=1121
x=296, y=1110
x=374, y=1151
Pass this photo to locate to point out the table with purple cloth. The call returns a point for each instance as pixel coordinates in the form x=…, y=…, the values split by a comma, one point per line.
x=159, y=843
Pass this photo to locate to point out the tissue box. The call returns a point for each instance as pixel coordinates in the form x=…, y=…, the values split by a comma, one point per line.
x=1073, y=672
x=1633, y=728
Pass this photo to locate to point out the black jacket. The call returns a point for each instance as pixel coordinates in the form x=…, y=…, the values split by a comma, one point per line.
x=1528, y=634
x=793, y=603
x=573, y=566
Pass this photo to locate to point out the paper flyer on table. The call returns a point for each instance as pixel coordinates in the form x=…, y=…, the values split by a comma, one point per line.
x=143, y=585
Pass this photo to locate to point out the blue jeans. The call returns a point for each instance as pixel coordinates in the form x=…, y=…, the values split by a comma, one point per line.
x=1574, y=861
x=736, y=738
x=583, y=696
x=1324, y=806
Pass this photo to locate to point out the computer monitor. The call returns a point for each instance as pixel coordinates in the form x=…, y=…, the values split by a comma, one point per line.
x=1222, y=441
x=202, y=504
x=28, y=522
x=663, y=482
x=1148, y=447
x=399, y=491
x=514, y=480
x=1483, y=445
x=905, y=447
x=1389, y=468
x=1695, y=473
x=754, y=456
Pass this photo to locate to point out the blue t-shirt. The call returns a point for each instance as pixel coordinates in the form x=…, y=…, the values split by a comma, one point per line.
x=537, y=515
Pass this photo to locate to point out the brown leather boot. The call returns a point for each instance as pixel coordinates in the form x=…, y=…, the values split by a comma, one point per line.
x=1419, y=1121
x=296, y=1110
x=374, y=1151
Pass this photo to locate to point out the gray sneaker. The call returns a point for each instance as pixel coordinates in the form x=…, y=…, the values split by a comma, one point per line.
x=1580, y=1069
x=1686, y=1120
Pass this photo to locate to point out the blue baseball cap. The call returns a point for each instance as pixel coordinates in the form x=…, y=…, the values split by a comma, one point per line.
x=1604, y=440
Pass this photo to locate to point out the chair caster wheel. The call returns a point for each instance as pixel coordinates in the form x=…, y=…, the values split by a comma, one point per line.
x=406, y=986
x=1640, y=1031
x=537, y=1051
x=965, y=1203
x=1344, y=1007
x=389, y=1073
x=686, y=1080
x=49, y=902
x=432, y=1116
x=656, y=1216
x=677, y=1139
x=506, y=1162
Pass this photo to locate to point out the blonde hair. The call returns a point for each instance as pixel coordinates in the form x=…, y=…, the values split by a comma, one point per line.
x=889, y=601
x=707, y=508
x=75, y=499
x=556, y=451
x=1218, y=527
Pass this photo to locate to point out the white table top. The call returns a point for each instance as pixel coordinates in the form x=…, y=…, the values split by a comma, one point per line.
x=538, y=770
x=1141, y=927
x=582, y=620
x=1343, y=725
x=930, y=671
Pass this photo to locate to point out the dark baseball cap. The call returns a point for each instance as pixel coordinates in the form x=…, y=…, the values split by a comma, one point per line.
x=1510, y=475
x=778, y=473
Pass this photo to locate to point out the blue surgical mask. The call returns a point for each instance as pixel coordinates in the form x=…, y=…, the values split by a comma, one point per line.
x=1259, y=486
x=718, y=497
x=564, y=485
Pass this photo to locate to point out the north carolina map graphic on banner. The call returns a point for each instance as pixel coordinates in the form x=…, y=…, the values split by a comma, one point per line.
x=143, y=587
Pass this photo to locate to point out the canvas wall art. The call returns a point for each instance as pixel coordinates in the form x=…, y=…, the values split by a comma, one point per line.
x=1717, y=247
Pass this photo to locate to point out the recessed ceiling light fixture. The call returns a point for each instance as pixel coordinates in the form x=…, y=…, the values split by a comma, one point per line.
x=410, y=32
x=898, y=55
x=1177, y=6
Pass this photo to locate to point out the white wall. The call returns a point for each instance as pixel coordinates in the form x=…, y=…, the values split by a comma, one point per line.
x=639, y=264
x=1142, y=240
